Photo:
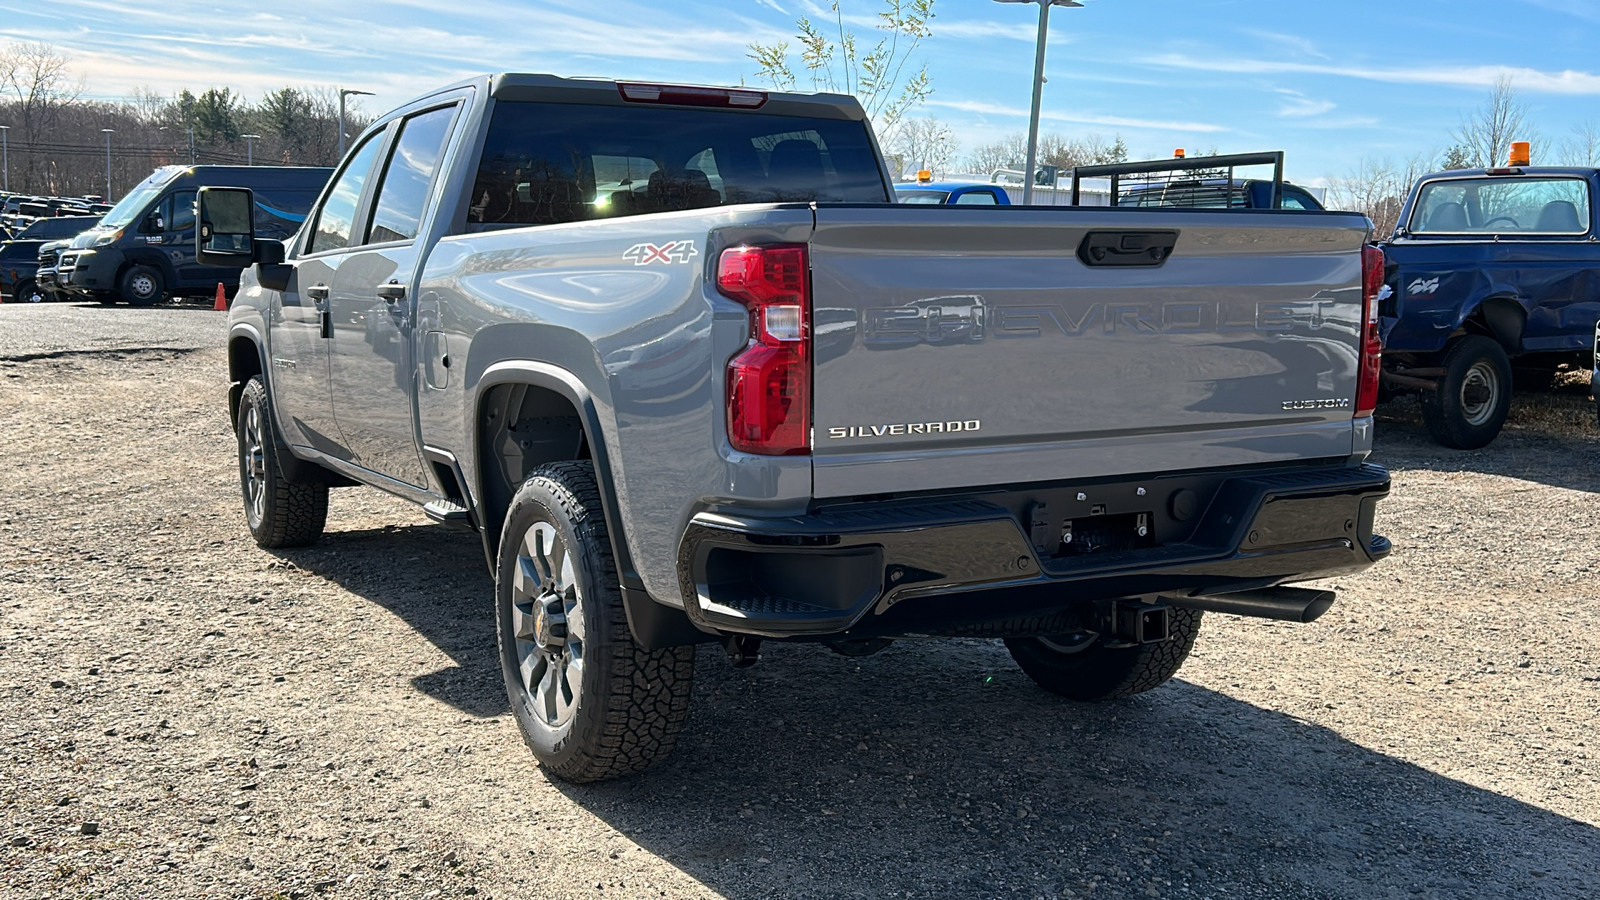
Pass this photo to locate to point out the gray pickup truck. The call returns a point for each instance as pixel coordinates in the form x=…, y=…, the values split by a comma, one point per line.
x=694, y=376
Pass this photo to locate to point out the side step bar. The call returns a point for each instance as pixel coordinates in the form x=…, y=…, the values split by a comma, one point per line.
x=1285, y=604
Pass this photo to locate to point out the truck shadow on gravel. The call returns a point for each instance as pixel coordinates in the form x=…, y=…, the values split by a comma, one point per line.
x=938, y=769
x=434, y=579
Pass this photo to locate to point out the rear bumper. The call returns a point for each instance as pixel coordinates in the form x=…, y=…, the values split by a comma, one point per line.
x=922, y=565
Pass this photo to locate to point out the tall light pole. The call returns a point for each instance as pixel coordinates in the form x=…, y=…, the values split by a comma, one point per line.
x=343, y=93
x=1038, y=88
x=108, y=133
x=250, y=148
x=191, y=145
x=5, y=155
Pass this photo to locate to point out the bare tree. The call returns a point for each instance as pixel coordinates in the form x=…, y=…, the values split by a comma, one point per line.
x=881, y=75
x=1006, y=153
x=925, y=143
x=1377, y=187
x=1486, y=133
x=1583, y=147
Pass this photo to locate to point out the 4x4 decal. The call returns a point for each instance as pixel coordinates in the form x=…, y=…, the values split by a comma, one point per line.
x=668, y=253
x=1422, y=287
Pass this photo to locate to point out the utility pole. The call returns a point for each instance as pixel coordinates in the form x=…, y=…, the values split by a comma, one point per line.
x=250, y=148
x=1038, y=89
x=5, y=155
x=191, y=145
x=108, y=133
x=343, y=93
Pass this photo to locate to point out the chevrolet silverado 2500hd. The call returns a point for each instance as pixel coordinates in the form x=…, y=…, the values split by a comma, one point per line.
x=678, y=357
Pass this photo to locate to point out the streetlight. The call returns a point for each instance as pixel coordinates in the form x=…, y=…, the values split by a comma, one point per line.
x=250, y=148
x=108, y=133
x=343, y=93
x=5, y=155
x=1038, y=88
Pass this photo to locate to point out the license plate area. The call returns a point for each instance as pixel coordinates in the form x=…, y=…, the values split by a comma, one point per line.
x=1099, y=533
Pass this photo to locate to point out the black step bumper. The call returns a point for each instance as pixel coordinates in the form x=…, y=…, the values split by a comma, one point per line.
x=858, y=569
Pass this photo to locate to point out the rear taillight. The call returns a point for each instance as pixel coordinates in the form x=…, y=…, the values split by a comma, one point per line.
x=1371, y=363
x=769, y=384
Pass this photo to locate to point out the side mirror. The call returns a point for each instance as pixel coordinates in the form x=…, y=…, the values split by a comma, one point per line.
x=226, y=236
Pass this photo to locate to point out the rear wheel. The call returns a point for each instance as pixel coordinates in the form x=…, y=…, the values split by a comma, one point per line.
x=1080, y=666
x=1469, y=407
x=142, y=285
x=590, y=702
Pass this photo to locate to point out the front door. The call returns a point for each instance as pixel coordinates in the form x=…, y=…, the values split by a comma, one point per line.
x=374, y=367
x=302, y=324
x=170, y=227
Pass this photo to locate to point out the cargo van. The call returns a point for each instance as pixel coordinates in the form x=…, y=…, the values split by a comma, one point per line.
x=143, y=249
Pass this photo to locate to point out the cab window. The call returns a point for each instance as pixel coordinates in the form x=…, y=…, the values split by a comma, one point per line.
x=337, y=217
x=174, y=214
x=1546, y=206
x=403, y=197
x=977, y=198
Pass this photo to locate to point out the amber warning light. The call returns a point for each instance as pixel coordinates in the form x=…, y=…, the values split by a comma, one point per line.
x=1521, y=154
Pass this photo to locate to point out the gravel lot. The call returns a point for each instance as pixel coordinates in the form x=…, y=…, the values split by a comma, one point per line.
x=183, y=714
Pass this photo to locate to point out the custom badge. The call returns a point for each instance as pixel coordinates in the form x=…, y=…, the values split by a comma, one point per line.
x=666, y=254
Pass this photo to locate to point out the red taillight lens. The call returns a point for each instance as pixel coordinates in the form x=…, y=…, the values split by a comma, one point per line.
x=1371, y=363
x=769, y=384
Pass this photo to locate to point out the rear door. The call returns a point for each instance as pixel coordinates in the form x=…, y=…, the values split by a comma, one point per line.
x=986, y=351
x=374, y=368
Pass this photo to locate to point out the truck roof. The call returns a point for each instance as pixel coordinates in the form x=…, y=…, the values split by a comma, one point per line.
x=546, y=88
x=1507, y=171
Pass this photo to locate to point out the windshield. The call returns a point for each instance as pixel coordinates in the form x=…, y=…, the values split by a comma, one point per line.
x=922, y=196
x=1502, y=206
x=137, y=200
x=549, y=163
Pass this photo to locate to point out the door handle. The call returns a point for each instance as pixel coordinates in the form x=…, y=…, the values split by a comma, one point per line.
x=392, y=292
x=317, y=292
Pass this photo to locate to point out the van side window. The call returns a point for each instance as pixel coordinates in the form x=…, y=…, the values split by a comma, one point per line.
x=403, y=194
x=337, y=217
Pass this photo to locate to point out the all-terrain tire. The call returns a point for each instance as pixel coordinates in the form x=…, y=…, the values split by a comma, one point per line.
x=280, y=513
x=628, y=704
x=142, y=285
x=1096, y=672
x=1469, y=407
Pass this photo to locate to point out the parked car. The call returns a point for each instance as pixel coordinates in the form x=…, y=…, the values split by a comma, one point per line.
x=19, y=257
x=143, y=249
x=953, y=193
x=1490, y=275
x=1086, y=434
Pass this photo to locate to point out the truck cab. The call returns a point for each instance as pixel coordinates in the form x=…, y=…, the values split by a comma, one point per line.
x=1490, y=273
x=951, y=193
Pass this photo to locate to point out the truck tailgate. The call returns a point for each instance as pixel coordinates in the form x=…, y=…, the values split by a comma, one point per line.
x=958, y=347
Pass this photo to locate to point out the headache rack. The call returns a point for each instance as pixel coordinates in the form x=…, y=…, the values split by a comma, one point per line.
x=1194, y=182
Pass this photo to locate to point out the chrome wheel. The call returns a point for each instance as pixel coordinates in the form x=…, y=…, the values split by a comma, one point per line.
x=1480, y=393
x=547, y=620
x=143, y=286
x=253, y=463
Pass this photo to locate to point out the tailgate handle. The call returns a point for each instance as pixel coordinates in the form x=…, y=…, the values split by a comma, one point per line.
x=1127, y=248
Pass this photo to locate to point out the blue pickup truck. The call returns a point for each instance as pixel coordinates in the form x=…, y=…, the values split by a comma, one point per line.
x=1491, y=273
x=952, y=193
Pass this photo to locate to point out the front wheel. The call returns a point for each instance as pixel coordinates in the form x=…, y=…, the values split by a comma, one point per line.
x=1080, y=666
x=142, y=286
x=1469, y=407
x=28, y=292
x=590, y=702
x=280, y=513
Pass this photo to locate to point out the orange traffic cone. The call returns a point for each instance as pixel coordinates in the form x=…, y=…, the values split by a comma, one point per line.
x=222, y=299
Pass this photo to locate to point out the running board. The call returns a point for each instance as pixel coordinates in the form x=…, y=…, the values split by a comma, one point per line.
x=446, y=513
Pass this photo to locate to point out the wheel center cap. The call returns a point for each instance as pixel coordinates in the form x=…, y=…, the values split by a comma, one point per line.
x=550, y=625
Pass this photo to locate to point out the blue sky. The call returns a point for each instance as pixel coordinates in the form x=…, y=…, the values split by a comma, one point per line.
x=1330, y=82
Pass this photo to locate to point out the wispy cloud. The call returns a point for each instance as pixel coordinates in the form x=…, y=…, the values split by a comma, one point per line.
x=1298, y=105
x=996, y=109
x=1289, y=41
x=1565, y=82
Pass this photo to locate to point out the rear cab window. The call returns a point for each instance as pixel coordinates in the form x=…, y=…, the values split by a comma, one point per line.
x=549, y=163
x=1498, y=206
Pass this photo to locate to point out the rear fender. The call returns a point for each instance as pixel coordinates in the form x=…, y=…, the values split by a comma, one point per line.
x=1502, y=316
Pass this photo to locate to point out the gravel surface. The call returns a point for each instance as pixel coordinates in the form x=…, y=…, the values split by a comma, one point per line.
x=183, y=714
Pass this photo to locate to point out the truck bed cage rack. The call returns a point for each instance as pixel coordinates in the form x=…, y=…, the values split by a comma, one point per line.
x=1203, y=169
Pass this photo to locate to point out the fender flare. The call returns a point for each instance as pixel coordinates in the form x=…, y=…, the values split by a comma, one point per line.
x=655, y=625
